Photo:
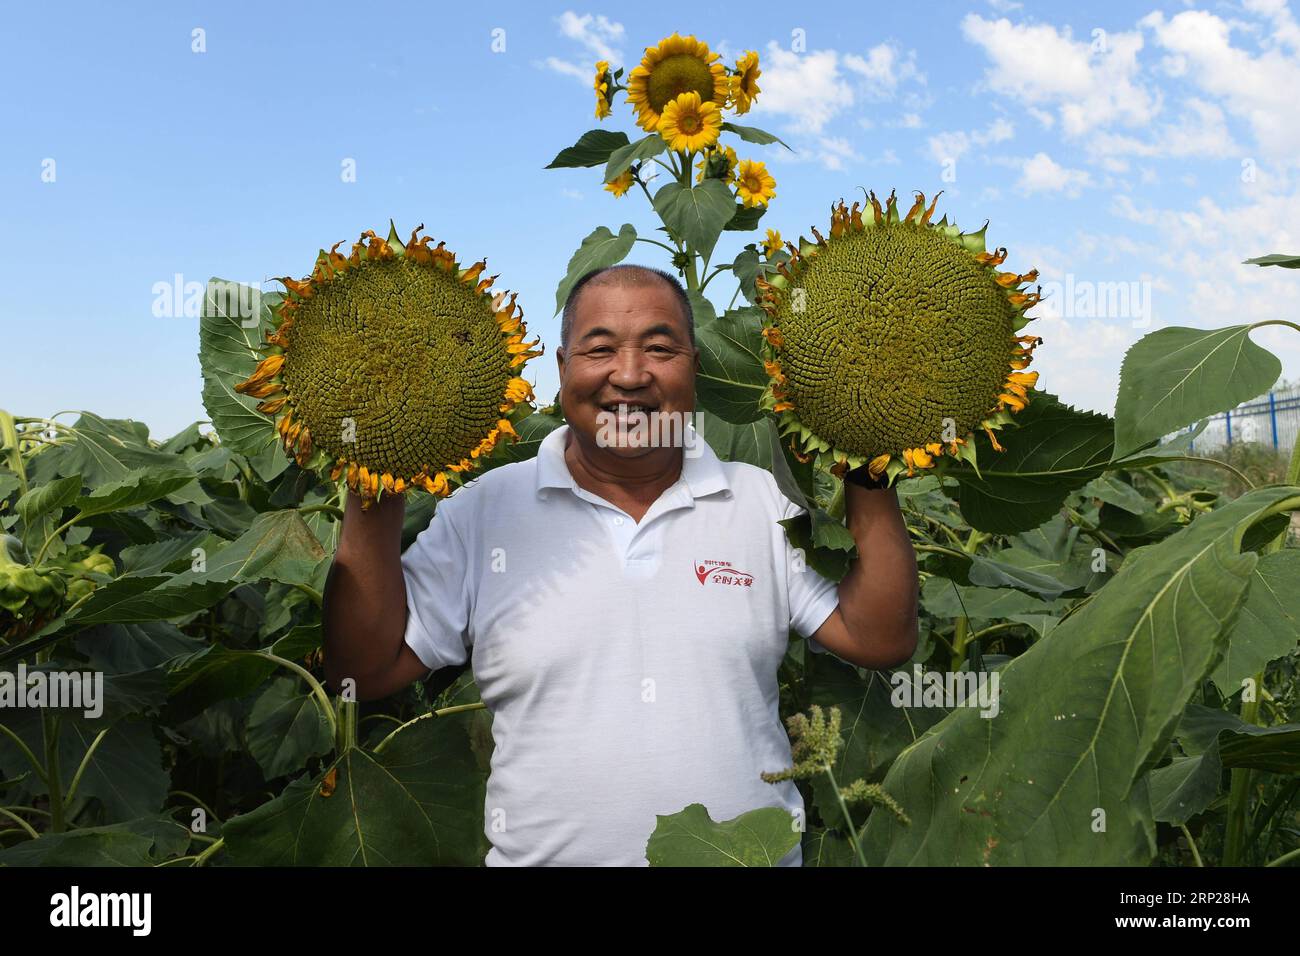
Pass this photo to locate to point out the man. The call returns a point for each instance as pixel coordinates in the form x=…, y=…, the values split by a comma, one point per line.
x=627, y=607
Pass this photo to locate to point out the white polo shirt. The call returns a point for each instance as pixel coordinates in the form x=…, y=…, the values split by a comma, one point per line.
x=630, y=668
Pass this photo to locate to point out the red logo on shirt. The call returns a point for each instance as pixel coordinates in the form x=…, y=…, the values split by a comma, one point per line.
x=721, y=572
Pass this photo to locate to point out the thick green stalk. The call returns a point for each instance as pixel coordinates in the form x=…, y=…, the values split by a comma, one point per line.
x=961, y=636
x=9, y=445
x=1234, y=838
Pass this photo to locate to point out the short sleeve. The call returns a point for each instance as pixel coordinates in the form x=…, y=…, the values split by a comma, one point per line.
x=813, y=598
x=436, y=570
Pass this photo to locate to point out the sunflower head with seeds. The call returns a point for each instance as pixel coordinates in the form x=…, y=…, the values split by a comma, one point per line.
x=888, y=343
x=394, y=366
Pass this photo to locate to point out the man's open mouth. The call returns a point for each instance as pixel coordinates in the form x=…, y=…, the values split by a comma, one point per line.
x=630, y=406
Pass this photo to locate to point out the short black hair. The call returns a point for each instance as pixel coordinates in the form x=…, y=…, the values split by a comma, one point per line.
x=571, y=303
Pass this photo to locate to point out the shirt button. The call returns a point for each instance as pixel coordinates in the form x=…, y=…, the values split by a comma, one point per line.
x=618, y=519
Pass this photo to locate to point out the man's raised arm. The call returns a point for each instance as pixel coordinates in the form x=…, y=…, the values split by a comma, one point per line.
x=364, y=611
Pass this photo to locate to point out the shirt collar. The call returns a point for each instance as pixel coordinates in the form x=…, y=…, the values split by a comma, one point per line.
x=701, y=468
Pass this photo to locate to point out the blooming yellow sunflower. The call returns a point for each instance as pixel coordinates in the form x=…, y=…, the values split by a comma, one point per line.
x=689, y=124
x=677, y=65
x=773, y=243
x=754, y=184
x=889, y=343
x=621, y=183
x=719, y=163
x=744, y=82
x=601, y=86
x=393, y=365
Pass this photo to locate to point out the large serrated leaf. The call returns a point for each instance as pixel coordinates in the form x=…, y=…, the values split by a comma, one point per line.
x=691, y=838
x=731, y=379
x=592, y=148
x=417, y=803
x=230, y=340
x=1176, y=376
x=696, y=214
x=601, y=248
x=1051, y=450
x=1059, y=776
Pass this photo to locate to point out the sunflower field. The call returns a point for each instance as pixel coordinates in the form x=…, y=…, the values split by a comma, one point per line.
x=1141, y=620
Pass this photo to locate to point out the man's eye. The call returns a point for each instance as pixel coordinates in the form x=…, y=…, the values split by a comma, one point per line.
x=661, y=348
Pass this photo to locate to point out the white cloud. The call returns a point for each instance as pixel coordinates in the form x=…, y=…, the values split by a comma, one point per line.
x=569, y=69
x=952, y=145
x=834, y=150
x=910, y=121
x=1201, y=131
x=1091, y=84
x=598, y=35
x=811, y=89
x=1040, y=173
x=808, y=88
x=882, y=70
x=1260, y=89
x=595, y=32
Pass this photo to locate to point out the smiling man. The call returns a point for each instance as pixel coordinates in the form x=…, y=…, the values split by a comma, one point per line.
x=627, y=605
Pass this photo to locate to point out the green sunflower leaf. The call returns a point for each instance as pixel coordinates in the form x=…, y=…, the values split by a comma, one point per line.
x=692, y=838
x=418, y=802
x=1051, y=450
x=591, y=149
x=745, y=218
x=621, y=159
x=752, y=134
x=1176, y=376
x=235, y=322
x=1084, y=715
x=601, y=248
x=696, y=215
x=1275, y=259
x=731, y=379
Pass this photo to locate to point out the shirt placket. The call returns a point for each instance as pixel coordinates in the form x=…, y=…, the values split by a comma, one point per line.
x=635, y=543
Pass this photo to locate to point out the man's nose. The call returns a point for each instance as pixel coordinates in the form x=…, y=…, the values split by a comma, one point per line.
x=630, y=369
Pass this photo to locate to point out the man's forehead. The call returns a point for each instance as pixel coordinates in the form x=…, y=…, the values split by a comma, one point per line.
x=627, y=306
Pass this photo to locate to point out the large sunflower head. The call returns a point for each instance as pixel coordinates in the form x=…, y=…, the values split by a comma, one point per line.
x=890, y=342
x=395, y=365
x=677, y=65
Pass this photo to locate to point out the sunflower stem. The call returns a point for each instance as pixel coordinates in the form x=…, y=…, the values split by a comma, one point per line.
x=656, y=242
x=961, y=637
x=1234, y=838
x=9, y=444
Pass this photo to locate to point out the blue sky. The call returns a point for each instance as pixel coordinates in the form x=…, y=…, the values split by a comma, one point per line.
x=1141, y=148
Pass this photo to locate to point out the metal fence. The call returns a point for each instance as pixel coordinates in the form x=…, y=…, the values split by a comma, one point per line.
x=1272, y=419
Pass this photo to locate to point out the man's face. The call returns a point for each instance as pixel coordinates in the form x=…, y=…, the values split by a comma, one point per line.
x=628, y=344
